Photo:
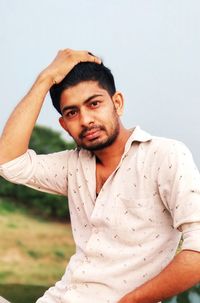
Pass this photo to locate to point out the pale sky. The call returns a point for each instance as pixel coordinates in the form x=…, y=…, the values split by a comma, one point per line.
x=151, y=46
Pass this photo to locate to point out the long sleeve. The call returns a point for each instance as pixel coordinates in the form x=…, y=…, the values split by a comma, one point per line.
x=46, y=173
x=179, y=182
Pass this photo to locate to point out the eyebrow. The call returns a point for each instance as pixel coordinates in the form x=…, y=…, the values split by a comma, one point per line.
x=84, y=102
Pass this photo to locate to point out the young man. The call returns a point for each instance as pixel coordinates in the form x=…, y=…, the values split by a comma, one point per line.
x=131, y=195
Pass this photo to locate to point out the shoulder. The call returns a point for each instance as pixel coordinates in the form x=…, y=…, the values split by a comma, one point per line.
x=157, y=144
x=166, y=146
x=171, y=153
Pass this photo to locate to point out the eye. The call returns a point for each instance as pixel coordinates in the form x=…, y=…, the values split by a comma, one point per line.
x=94, y=104
x=71, y=114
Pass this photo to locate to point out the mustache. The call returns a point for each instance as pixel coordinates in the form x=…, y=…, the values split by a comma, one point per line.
x=88, y=129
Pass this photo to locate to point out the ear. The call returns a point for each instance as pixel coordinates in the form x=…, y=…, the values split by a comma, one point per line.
x=118, y=101
x=62, y=123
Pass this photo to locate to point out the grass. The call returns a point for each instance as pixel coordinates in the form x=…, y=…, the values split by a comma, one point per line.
x=32, y=252
x=7, y=206
x=22, y=293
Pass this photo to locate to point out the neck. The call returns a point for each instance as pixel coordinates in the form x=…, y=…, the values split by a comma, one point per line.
x=111, y=155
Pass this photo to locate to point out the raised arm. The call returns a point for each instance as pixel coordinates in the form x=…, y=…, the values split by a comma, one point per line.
x=16, y=135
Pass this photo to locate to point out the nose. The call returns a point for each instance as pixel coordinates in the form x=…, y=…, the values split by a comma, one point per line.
x=86, y=118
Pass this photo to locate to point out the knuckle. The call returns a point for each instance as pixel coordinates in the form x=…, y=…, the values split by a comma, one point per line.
x=67, y=51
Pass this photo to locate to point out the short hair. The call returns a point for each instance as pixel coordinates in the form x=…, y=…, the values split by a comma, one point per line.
x=84, y=71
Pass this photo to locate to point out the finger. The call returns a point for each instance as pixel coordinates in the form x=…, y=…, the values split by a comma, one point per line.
x=94, y=58
x=91, y=54
x=97, y=60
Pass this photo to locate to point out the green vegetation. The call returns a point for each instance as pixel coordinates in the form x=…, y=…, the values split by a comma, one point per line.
x=191, y=296
x=22, y=293
x=33, y=253
x=43, y=141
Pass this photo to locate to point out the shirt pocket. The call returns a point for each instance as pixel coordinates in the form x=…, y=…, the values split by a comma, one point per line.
x=134, y=218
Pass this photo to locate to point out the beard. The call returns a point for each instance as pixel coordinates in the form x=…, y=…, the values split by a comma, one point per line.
x=99, y=144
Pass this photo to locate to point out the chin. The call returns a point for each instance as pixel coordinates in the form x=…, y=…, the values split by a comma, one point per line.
x=97, y=146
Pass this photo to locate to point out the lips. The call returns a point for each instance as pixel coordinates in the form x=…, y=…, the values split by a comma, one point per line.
x=92, y=134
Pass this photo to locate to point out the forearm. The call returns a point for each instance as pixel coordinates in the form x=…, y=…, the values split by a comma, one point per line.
x=17, y=131
x=182, y=273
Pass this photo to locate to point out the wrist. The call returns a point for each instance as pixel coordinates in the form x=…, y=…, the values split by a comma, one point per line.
x=47, y=78
x=42, y=85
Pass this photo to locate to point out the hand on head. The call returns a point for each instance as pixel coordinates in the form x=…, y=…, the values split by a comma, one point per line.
x=64, y=62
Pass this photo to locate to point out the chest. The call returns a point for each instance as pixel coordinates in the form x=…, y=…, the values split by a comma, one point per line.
x=128, y=203
x=102, y=174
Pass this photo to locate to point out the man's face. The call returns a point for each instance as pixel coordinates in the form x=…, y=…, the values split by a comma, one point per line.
x=90, y=115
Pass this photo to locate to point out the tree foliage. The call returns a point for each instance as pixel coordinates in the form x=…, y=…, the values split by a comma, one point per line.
x=43, y=140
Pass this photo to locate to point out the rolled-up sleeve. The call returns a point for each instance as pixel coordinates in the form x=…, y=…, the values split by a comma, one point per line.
x=191, y=236
x=46, y=173
x=179, y=186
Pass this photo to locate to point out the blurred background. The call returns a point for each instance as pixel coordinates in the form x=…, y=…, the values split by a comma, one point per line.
x=152, y=48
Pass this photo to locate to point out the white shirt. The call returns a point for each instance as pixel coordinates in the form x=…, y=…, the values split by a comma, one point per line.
x=130, y=232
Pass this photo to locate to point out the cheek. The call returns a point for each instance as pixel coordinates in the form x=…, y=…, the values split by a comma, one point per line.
x=109, y=117
x=72, y=129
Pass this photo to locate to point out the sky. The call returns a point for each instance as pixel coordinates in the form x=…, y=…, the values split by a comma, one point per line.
x=151, y=46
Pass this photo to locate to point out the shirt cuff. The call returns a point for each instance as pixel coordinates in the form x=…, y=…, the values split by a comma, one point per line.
x=191, y=236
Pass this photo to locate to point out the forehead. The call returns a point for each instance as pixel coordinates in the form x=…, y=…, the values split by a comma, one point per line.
x=81, y=92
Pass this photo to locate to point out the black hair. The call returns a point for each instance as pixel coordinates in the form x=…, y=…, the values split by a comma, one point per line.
x=84, y=71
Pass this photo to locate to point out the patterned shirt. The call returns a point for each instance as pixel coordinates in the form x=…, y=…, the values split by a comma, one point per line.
x=129, y=232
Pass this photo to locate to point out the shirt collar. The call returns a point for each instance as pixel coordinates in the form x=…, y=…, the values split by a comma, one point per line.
x=138, y=135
